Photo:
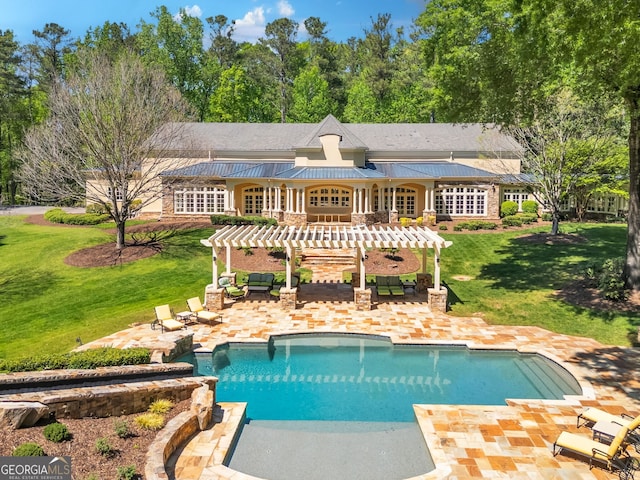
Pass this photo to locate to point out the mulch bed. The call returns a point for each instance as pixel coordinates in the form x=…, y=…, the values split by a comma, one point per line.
x=85, y=460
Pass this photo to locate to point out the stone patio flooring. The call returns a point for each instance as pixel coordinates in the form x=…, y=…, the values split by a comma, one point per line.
x=513, y=441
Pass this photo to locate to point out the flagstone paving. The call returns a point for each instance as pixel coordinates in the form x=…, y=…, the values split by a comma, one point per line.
x=512, y=441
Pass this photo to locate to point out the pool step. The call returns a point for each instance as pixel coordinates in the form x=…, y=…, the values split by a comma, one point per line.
x=548, y=382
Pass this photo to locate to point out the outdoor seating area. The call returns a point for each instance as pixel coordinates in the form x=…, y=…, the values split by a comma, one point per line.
x=166, y=319
x=260, y=282
x=198, y=311
x=607, y=445
x=389, y=285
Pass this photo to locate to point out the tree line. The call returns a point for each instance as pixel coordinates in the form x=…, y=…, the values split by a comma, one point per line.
x=562, y=76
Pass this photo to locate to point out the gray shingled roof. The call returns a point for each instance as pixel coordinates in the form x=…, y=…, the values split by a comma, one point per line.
x=398, y=137
x=287, y=170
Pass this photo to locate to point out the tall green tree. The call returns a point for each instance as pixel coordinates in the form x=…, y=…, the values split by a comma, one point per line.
x=13, y=115
x=311, y=98
x=281, y=40
x=223, y=47
x=52, y=44
x=599, y=40
x=176, y=45
x=237, y=98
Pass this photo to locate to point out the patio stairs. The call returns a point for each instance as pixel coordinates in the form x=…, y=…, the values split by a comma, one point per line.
x=327, y=264
x=332, y=256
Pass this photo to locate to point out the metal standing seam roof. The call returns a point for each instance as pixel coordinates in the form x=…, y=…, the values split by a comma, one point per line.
x=329, y=236
x=288, y=170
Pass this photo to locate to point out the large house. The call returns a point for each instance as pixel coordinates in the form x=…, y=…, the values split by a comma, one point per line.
x=333, y=172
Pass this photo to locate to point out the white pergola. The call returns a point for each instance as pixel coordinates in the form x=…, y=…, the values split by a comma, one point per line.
x=328, y=236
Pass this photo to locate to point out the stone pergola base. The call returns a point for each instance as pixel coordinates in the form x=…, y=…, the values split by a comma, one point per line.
x=437, y=299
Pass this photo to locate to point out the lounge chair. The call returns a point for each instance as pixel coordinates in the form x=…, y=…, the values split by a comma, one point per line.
x=166, y=319
x=196, y=307
x=231, y=291
x=594, y=415
x=275, y=291
x=609, y=455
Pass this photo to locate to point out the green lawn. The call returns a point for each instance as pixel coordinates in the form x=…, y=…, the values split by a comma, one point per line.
x=513, y=282
x=45, y=304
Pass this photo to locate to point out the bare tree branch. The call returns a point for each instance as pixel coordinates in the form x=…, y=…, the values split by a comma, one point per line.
x=101, y=142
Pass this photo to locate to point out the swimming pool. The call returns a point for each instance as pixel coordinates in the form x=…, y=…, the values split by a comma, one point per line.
x=369, y=379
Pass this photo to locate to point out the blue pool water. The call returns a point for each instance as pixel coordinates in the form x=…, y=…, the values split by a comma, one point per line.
x=368, y=379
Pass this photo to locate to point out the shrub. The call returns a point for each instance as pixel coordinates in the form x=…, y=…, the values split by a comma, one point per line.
x=92, y=358
x=530, y=206
x=96, y=209
x=405, y=222
x=235, y=220
x=476, y=225
x=127, y=473
x=122, y=429
x=28, y=449
x=457, y=228
x=611, y=282
x=508, y=208
x=161, y=406
x=419, y=221
x=442, y=227
x=150, y=421
x=56, y=432
x=104, y=448
x=528, y=218
x=546, y=217
x=57, y=215
x=431, y=219
x=512, y=221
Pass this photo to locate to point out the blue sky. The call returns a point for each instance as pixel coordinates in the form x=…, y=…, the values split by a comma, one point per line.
x=344, y=18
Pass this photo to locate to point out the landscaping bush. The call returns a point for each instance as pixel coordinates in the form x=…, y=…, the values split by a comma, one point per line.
x=150, y=421
x=122, y=429
x=611, y=282
x=512, y=221
x=161, y=406
x=529, y=218
x=475, y=225
x=28, y=449
x=546, y=217
x=442, y=227
x=508, y=208
x=56, y=432
x=419, y=221
x=236, y=220
x=96, y=209
x=57, y=215
x=405, y=222
x=104, y=448
x=530, y=206
x=89, y=359
x=127, y=473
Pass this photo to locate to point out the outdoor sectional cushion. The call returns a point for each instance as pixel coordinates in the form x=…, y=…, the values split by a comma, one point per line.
x=260, y=280
x=389, y=285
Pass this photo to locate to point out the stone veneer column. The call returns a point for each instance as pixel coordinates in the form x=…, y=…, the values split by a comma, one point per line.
x=288, y=298
x=214, y=298
x=424, y=281
x=362, y=298
x=437, y=299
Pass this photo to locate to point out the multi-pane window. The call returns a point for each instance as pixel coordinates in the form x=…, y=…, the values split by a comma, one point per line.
x=517, y=195
x=202, y=200
x=119, y=195
x=329, y=197
x=252, y=198
x=461, y=201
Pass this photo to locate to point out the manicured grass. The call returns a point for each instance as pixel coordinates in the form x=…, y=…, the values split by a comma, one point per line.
x=513, y=282
x=45, y=304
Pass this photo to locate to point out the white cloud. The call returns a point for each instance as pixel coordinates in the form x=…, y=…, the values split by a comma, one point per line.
x=194, y=11
x=250, y=27
x=285, y=9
